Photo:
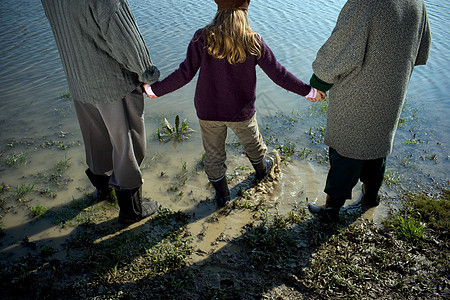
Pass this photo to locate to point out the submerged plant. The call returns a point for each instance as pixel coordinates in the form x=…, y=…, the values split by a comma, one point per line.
x=65, y=95
x=16, y=159
x=38, y=211
x=177, y=132
x=23, y=190
x=64, y=164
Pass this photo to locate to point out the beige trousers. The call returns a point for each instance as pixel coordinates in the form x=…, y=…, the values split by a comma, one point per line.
x=214, y=134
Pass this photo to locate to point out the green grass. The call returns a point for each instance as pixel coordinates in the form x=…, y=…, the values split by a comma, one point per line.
x=269, y=242
x=434, y=212
x=421, y=213
x=409, y=227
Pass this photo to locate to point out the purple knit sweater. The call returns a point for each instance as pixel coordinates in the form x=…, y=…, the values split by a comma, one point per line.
x=226, y=92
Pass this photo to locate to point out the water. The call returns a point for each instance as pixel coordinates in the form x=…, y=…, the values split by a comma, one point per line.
x=36, y=118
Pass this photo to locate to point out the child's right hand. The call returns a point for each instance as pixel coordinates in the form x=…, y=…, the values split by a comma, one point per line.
x=319, y=96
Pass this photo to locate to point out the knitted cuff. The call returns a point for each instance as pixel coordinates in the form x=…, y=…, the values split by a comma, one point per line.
x=319, y=84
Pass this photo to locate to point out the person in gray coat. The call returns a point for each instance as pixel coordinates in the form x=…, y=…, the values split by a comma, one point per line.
x=366, y=65
x=106, y=61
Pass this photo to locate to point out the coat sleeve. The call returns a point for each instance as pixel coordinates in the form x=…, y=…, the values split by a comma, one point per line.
x=425, y=42
x=344, y=50
x=126, y=44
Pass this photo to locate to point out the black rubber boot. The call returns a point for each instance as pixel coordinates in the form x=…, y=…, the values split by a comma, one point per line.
x=370, y=196
x=222, y=191
x=101, y=183
x=329, y=213
x=132, y=209
x=262, y=168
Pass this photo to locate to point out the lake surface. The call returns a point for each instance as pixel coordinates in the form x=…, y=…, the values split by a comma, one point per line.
x=36, y=119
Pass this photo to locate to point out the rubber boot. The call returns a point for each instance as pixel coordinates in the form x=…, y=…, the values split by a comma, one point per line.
x=328, y=213
x=101, y=183
x=370, y=196
x=132, y=209
x=222, y=191
x=262, y=168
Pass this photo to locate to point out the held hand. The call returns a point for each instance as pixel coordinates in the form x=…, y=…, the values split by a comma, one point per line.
x=149, y=92
x=320, y=95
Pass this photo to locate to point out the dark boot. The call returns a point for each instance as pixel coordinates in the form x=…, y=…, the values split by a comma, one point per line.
x=328, y=213
x=101, y=183
x=265, y=165
x=222, y=191
x=370, y=196
x=132, y=209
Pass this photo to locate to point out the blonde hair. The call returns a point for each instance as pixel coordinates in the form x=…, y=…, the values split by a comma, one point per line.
x=229, y=36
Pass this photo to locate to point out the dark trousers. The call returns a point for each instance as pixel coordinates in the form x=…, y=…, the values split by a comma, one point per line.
x=345, y=172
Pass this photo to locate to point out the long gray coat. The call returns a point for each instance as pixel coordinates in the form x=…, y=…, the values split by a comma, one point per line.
x=369, y=58
x=103, y=53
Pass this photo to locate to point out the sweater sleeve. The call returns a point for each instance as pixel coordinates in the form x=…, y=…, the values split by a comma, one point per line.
x=344, y=50
x=425, y=42
x=185, y=72
x=278, y=73
x=127, y=46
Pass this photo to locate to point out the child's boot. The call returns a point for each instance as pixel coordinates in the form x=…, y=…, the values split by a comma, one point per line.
x=222, y=191
x=265, y=165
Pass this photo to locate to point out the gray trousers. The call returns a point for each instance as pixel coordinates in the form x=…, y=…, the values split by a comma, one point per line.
x=114, y=138
x=214, y=134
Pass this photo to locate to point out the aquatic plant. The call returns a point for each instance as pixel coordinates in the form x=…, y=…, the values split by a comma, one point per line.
x=4, y=188
x=16, y=159
x=391, y=178
x=38, y=211
x=177, y=132
x=23, y=190
x=65, y=95
x=317, y=134
x=318, y=109
x=62, y=165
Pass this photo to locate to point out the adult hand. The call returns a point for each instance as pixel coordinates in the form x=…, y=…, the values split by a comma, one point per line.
x=320, y=95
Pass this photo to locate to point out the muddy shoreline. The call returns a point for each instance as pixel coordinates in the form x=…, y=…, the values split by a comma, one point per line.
x=56, y=240
x=275, y=256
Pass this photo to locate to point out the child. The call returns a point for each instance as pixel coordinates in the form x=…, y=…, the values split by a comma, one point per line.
x=227, y=52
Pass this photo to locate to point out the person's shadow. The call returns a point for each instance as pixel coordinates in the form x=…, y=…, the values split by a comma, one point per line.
x=267, y=255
